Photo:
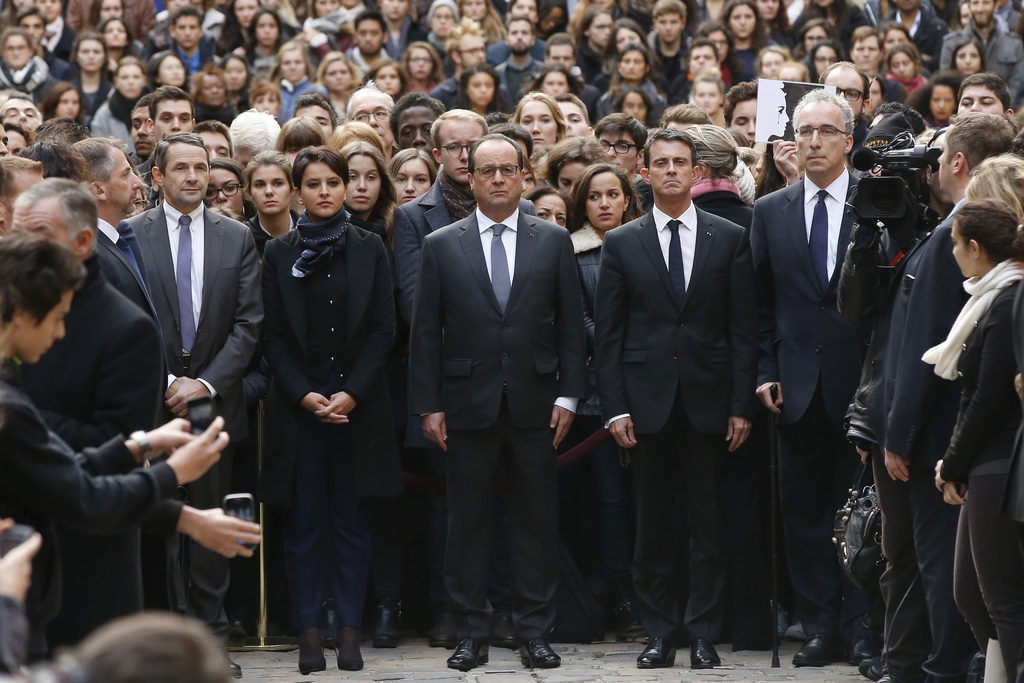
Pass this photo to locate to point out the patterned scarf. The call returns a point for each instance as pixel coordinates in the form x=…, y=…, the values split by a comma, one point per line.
x=459, y=198
x=320, y=240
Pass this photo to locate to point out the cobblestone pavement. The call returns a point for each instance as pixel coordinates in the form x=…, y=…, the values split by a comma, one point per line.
x=600, y=662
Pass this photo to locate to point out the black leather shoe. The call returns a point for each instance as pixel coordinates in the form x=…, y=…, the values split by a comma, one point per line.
x=703, y=654
x=659, y=654
x=819, y=650
x=386, y=632
x=627, y=621
x=976, y=669
x=445, y=632
x=871, y=669
x=469, y=654
x=863, y=649
x=349, y=656
x=503, y=632
x=236, y=671
x=537, y=654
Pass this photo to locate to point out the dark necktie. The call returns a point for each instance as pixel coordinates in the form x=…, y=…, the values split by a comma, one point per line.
x=675, y=261
x=819, y=240
x=183, y=273
x=128, y=243
x=499, y=267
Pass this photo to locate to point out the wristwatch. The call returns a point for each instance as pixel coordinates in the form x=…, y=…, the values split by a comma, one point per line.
x=145, y=447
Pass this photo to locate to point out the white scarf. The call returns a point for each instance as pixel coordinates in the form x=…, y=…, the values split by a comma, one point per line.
x=983, y=292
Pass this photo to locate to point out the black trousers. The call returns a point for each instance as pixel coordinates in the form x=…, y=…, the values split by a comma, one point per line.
x=926, y=638
x=673, y=466
x=989, y=573
x=473, y=471
x=816, y=469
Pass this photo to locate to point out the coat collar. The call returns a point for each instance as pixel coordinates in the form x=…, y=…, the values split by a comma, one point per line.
x=585, y=239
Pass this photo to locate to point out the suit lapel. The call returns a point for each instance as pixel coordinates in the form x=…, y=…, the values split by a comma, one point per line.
x=470, y=241
x=160, y=246
x=793, y=220
x=702, y=247
x=648, y=235
x=526, y=246
x=435, y=210
x=213, y=248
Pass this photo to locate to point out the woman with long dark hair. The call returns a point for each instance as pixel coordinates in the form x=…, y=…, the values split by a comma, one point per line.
x=749, y=35
x=636, y=67
x=238, y=16
x=728, y=62
x=118, y=39
x=480, y=90
x=845, y=16
x=89, y=59
x=114, y=117
x=371, y=198
x=62, y=101
x=327, y=333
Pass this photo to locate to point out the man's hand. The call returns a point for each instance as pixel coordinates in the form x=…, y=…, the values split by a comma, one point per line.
x=622, y=432
x=1017, y=386
x=217, y=531
x=166, y=438
x=16, y=568
x=786, y=160
x=192, y=460
x=897, y=466
x=188, y=389
x=739, y=430
x=953, y=493
x=764, y=393
x=561, y=419
x=337, y=410
x=435, y=429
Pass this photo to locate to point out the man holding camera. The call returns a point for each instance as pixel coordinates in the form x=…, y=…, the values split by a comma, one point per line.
x=912, y=411
x=811, y=355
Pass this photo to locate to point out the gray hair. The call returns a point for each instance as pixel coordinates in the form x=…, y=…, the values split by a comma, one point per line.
x=254, y=131
x=369, y=88
x=823, y=95
x=76, y=201
x=715, y=148
x=96, y=152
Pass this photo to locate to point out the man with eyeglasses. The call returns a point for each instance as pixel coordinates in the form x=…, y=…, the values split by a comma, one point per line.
x=851, y=83
x=623, y=138
x=373, y=107
x=466, y=47
x=497, y=391
x=799, y=238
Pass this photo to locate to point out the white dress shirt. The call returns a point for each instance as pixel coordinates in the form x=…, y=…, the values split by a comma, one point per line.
x=508, y=240
x=687, y=236
x=109, y=230
x=835, y=205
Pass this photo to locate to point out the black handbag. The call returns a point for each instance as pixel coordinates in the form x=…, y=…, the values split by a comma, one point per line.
x=857, y=534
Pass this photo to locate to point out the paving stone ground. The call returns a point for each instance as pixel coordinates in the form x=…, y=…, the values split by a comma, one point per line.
x=607, y=662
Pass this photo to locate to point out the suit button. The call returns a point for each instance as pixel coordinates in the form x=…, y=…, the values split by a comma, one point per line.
x=504, y=356
x=817, y=349
x=681, y=325
x=675, y=357
x=504, y=326
x=822, y=307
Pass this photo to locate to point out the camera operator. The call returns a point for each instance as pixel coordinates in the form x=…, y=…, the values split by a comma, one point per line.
x=911, y=413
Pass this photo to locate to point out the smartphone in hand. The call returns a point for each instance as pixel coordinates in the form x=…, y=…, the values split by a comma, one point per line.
x=243, y=506
x=201, y=413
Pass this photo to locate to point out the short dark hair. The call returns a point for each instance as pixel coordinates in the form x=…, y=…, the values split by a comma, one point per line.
x=59, y=159
x=560, y=39
x=35, y=273
x=164, y=146
x=169, y=93
x=63, y=129
x=993, y=225
x=513, y=19
x=988, y=81
x=741, y=92
x=215, y=126
x=315, y=99
x=143, y=102
x=622, y=124
x=517, y=132
x=370, y=15
x=410, y=100
x=494, y=136
x=187, y=11
x=978, y=136
x=667, y=135
x=321, y=154
x=226, y=164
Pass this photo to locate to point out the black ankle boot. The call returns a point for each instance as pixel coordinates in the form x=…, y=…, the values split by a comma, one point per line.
x=627, y=616
x=385, y=634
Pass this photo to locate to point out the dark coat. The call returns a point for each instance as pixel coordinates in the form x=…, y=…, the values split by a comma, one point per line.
x=121, y=275
x=928, y=38
x=727, y=205
x=1013, y=502
x=466, y=355
x=804, y=339
x=650, y=348
x=586, y=244
x=370, y=329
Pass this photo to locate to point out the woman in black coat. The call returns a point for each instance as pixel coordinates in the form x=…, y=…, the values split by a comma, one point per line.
x=327, y=333
x=989, y=567
x=718, y=191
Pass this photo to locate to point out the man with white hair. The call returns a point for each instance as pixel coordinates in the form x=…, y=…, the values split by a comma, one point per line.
x=373, y=107
x=798, y=240
x=253, y=132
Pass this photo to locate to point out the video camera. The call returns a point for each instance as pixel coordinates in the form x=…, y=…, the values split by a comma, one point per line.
x=896, y=192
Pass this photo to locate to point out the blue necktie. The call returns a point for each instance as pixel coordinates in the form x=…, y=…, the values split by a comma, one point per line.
x=675, y=262
x=819, y=240
x=128, y=243
x=183, y=273
x=499, y=267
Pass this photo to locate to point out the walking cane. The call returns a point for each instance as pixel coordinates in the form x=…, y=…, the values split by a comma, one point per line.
x=773, y=466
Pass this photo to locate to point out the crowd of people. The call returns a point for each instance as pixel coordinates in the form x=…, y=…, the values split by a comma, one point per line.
x=453, y=240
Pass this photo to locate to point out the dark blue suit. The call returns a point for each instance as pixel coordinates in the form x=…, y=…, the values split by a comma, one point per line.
x=816, y=355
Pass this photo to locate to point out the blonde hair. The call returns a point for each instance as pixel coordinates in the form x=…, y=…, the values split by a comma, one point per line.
x=465, y=27
x=556, y=111
x=331, y=58
x=999, y=178
x=354, y=131
x=455, y=115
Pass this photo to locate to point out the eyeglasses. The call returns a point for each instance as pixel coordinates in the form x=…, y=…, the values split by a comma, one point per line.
x=381, y=115
x=229, y=190
x=455, y=148
x=620, y=147
x=851, y=94
x=825, y=132
x=487, y=172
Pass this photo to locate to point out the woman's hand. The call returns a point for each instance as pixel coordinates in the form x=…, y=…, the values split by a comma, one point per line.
x=165, y=439
x=314, y=402
x=939, y=481
x=336, y=412
x=192, y=460
x=953, y=493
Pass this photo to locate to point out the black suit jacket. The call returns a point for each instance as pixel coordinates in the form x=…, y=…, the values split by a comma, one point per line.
x=803, y=337
x=231, y=312
x=649, y=347
x=464, y=350
x=120, y=273
x=370, y=331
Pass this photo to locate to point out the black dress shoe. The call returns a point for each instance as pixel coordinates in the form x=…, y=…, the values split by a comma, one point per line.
x=864, y=649
x=819, y=650
x=537, y=654
x=445, y=632
x=236, y=671
x=349, y=656
x=385, y=634
x=871, y=669
x=703, y=654
x=976, y=669
x=659, y=654
x=503, y=632
x=469, y=654
x=311, y=651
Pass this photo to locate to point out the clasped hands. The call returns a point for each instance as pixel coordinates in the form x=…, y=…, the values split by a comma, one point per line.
x=333, y=410
x=180, y=392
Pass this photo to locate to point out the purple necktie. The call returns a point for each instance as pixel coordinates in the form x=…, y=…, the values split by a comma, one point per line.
x=184, y=277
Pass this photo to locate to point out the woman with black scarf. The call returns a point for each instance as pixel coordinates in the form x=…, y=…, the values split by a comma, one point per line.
x=114, y=117
x=327, y=333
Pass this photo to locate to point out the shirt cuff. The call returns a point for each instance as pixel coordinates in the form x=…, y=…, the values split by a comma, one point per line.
x=617, y=417
x=567, y=403
x=170, y=380
x=213, y=392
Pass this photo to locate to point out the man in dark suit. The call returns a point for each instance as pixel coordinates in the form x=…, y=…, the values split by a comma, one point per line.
x=205, y=287
x=912, y=413
x=812, y=355
x=497, y=365
x=676, y=330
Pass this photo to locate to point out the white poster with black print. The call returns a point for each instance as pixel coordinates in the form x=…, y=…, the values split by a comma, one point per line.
x=776, y=101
